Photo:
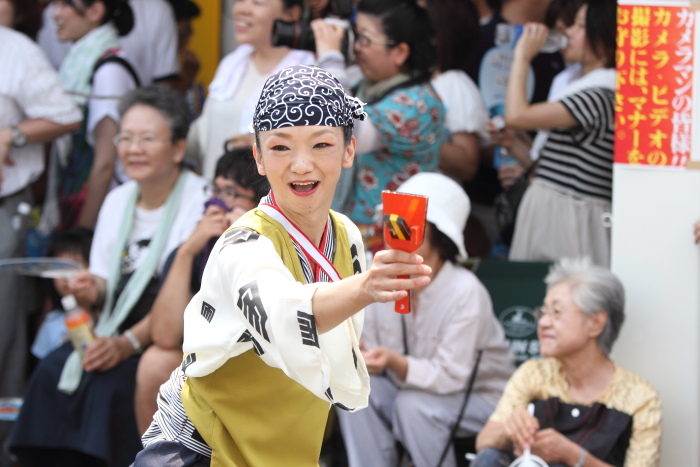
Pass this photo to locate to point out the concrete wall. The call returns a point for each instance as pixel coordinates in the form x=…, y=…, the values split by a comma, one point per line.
x=654, y=255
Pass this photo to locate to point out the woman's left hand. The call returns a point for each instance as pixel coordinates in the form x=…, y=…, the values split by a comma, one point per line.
x=376, y=359
x=554, y=447
x=531, y=41
x=106, y=353
x=327, y=35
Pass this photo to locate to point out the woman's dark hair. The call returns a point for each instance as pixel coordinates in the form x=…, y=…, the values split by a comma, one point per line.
x=495, y=5
x=564, y=10
x=170, y=103
x=445, y=247
x=239, y=165
x=119, y=12
x=77, y=240
x=601, y=28
x=406, y=21
x=27, y=18
x=185, y=9
x=287, y=4
x=456, y=25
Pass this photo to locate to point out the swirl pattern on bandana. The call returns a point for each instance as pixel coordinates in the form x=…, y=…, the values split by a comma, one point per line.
x=303, y=96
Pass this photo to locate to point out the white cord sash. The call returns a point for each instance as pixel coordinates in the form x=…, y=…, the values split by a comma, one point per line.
x=302, y=240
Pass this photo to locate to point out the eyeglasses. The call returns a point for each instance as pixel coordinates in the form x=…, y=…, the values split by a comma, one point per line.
x=229, y=194
x=554, y=313
x=365, y=41
x=142, y=142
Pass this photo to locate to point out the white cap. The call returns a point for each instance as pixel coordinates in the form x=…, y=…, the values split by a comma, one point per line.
x=448, y=204
x=69, y=302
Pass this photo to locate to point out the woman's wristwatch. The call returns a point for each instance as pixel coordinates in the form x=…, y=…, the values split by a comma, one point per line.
x=135, y=342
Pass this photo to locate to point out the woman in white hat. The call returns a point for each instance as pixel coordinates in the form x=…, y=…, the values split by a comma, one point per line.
x=420, y=362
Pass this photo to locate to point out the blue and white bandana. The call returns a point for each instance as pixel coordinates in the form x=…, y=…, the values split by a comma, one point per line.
x=304, y=95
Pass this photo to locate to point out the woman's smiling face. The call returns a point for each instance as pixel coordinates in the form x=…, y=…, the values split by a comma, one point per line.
x=303, y=165
x=74, y=20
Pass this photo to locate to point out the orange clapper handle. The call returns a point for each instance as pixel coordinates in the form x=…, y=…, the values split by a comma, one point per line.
x=404, y=227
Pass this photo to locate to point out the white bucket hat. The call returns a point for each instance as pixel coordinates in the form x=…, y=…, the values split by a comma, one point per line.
x=448, y=204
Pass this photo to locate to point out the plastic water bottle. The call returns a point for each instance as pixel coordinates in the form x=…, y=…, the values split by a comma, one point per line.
x=508, y=34
x=20, y=221
x=501, y=156
x=79, y=324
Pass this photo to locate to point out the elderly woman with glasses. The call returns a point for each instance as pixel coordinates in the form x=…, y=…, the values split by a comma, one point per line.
x=588, y=411
x=394, y=51
x=78, y=409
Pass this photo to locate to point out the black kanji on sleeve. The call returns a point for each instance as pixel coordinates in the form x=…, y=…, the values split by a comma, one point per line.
x=329, y=395
x=250, y=304
x=356, y=268
x=239, y=235
x=307, y=326
x=207, y=311
x=248, y=337
x=189, y=360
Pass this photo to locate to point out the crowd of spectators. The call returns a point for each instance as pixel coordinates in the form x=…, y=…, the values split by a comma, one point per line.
x=133, y=169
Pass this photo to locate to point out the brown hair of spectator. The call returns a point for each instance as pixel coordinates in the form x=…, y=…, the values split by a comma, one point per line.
x=564, y=10
x=456, y=25
x=239, y=165
x=601, y=29
x=27, y=17
x=119, y=12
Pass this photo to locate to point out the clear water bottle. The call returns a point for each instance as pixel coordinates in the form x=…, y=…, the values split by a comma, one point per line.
x=21, y=220
x=508, y=34
x=79, y=324
x=501, y=156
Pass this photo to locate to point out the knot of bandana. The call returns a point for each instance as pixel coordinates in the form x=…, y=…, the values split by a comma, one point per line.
x=302, y=96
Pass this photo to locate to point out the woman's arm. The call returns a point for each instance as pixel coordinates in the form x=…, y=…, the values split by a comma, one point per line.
x=520, y=114
x=335, y=302
x=175, y=294
x=493, y=435
x=460, y=157
x=110, y=79
x=100, y=173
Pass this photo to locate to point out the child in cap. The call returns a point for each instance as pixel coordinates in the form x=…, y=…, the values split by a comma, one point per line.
x=272, y=337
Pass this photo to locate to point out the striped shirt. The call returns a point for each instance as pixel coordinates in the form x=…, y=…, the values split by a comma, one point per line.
x=29, y=89
x=579, y=160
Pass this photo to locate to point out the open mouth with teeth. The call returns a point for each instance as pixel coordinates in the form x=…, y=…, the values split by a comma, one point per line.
x=304, y=187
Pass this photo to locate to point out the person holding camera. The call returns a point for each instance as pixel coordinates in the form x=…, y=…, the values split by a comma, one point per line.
x=239, y=78
x=404, y=133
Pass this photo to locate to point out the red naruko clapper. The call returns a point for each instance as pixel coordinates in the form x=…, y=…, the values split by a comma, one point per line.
x=404, y=227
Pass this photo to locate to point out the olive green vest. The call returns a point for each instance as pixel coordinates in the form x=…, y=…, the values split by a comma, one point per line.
x=252, y=414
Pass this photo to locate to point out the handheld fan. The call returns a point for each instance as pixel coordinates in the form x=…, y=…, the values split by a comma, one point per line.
x=404, y=228
x=52, y=268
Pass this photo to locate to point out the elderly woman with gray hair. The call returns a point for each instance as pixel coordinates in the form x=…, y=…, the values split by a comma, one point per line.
x=588, y=411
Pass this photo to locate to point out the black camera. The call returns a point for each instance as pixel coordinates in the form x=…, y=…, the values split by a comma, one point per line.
x=299, y=35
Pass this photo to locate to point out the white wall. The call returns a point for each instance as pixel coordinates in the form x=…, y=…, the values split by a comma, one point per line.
x=654, y=255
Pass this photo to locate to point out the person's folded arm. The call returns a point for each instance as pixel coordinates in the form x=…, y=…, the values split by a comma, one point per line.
x=460, y=156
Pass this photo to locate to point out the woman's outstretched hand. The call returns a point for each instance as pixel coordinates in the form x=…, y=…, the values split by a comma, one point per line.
x=383, y=283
